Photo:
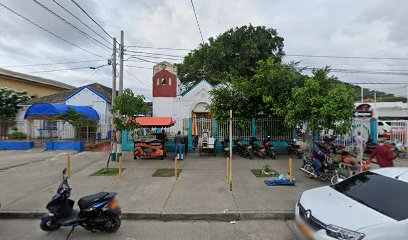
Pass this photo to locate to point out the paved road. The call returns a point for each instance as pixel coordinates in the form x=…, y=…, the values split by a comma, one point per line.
x=157, y=230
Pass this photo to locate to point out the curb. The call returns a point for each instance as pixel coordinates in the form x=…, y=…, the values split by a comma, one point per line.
x=186, y=216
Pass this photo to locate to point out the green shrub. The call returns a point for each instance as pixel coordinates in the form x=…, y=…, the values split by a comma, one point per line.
x=17, y=135
x=267, y=168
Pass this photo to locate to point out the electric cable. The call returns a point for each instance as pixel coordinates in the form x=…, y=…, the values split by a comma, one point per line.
x=198, y=24
x=71, y=25
x=86, y=25
x=49, y=64
x=48, y=31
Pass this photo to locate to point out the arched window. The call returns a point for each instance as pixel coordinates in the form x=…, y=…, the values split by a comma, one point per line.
x=164, y=81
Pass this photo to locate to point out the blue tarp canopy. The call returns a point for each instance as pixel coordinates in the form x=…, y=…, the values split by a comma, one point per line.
x=48, y=110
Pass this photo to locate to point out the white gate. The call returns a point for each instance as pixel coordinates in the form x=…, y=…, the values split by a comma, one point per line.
x=399, y=132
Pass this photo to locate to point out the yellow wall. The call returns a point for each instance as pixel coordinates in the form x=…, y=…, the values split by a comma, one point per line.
x=33, y=89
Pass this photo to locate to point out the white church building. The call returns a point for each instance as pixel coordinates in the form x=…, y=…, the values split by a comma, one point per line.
x=168, y=101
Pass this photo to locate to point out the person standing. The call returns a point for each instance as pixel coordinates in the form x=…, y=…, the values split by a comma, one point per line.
x=384, y=156
x=359, y=141
x=179, y=145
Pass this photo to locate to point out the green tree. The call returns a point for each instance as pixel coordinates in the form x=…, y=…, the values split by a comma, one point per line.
x=233, y=53
x=9, y=101
x=322, y=103
x=264, y=94
x=128, y=105
x=77, y=120
x=274, y=82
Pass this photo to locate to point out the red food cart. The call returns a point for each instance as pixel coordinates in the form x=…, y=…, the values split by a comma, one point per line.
x=151, y=147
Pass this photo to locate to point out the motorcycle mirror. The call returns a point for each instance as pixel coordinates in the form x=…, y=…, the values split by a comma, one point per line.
x=64, y=171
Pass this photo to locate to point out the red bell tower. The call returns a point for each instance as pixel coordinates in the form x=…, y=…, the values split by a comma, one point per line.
x=165, y=80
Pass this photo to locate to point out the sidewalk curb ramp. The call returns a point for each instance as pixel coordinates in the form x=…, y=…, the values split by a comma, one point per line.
x=168, y=216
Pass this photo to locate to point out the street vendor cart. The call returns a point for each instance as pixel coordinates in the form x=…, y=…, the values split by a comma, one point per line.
x=151, y=146
x=148, y=147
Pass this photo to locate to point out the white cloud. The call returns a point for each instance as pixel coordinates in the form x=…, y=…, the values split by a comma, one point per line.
x=321, y=27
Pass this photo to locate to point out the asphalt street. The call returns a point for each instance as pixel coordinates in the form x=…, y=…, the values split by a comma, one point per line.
x=18, y=229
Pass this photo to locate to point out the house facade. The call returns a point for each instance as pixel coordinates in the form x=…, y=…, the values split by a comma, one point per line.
x=35, y=87
x=95, y=95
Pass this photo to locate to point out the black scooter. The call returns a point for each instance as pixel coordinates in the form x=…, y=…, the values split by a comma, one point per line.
x=99, y=211
x=294, y=149
x=225, y=147
x=243, y=151
x=269, y=148
x=259, y=151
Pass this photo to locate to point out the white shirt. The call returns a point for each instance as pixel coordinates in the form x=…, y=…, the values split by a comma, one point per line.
x=359, y=141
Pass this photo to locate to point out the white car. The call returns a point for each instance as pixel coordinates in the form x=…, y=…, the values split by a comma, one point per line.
x=369, y=205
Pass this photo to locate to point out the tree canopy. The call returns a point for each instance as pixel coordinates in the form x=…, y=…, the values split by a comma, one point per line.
x=264, y=94
x=282, y=91
x=9, y=101
x=233, y=53
x=323, y=102
x=128, y=105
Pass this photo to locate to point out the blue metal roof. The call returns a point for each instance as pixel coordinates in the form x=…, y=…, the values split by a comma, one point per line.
x=47, y=110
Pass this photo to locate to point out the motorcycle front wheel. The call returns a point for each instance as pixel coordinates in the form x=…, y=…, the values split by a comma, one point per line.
x=337, y=178
x=49, y=225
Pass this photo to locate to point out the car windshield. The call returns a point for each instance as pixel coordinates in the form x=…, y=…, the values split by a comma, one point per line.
x=386, y=195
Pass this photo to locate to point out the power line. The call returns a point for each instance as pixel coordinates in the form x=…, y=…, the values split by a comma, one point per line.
x=86, y=25
x=141, y=59
x=132, y=66
x=198, y=24
x=48, y=64
x=88, y=78
x=135, y=77
x=152, y=53
x=160, y=48
x=60, y=70
x=93, y=20
x=155, y=57
x=48, y=31
x=347, y=57
x=70, y=24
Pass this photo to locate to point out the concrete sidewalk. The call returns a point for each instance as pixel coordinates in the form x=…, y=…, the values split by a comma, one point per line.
x=201, y=192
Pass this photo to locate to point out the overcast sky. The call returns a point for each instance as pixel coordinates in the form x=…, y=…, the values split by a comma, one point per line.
x=369, y=28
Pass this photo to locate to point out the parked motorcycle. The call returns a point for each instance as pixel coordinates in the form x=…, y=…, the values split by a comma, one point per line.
x=225, y=147
x=97, y=212
x=330, y=171
x=243, y=151
x=259, y=151
x=294, y=149
x=269, y=148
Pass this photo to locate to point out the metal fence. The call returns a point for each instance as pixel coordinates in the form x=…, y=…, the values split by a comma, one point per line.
x=399, y=132
x=272, y=127
x=42, y=131
x=241, y=129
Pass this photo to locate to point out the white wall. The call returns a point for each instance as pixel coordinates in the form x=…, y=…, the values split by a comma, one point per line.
x=163, y=107
x=86, y=97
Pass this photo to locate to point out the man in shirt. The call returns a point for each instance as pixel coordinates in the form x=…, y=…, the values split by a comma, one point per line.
x=359, y=141
x=384, y=156
x=179, y=140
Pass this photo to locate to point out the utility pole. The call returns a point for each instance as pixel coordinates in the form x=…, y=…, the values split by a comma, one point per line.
x=119, y=133
x=113, y=135
x=122, y=40
x=361, y=131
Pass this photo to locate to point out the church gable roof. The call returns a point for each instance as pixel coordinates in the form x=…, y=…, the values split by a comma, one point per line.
x=196, y=85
